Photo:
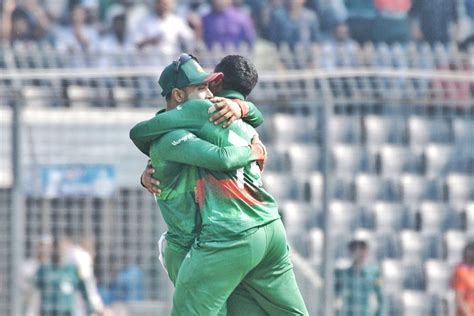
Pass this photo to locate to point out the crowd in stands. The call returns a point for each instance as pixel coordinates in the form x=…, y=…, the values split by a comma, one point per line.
x=171, y=26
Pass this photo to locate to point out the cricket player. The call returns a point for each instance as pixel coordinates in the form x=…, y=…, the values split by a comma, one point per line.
x=242, y=239
x=176, y=200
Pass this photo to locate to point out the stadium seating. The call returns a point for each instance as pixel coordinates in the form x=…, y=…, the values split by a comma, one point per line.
x=438, y=159
x=460, y=189
x=415, y=303
x=304, y=158
x=437, y=274
x=290, y=128
x=381, y=130
x=396, y=159
x=348, y=159
x=412, y=246
x=283, y=186
x=454, y=242
x=423, y=131
x=388, y=217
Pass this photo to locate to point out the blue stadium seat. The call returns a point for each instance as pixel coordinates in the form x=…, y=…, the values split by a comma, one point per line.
x=388, y=217
x=40, y=96
x=463, y=131
x=393, y=275
x=438, y=275
x=381, y=130
x=343, y=215
x=469, y=213
x=86, y=96
x=276, y=158
x=283, y=186
x=345, y=129
x=395, y=159
x=304, y=158
x=412, y=246
x=316, y=244
x=415, y=188
x=460, y=188
x=299, y=216
x=423, y=130
x=438, y=159
x=433, y=217
x=454, y=241
x=294, y=128
x=370, y=187
x=123, y=97
x=316, y=182
x=388, y=245
x=349, y=159
x=414, y=277
x=415, y=303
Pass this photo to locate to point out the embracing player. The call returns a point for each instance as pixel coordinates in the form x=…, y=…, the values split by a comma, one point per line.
x=242, y=240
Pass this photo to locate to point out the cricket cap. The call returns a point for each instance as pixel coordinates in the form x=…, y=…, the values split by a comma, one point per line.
x=183, y=72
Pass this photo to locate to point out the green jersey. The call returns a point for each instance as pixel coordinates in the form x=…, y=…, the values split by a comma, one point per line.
x=230, y=203
x=171, y=156
x=57, y=286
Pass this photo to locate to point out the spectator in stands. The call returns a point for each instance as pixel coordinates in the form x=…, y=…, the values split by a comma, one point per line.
x=136, y=12
x=193, y=11
x=227, y=26
x=463, y=282
x=81, y=35
x=116, y=40
x=431, y=19
x=361, y=19
x=392, y=23
x=354, y=285
x=164, y=31
x=293, y=23
x=26, y=22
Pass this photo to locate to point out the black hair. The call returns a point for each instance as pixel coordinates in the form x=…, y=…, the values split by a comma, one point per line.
x=358, y=244
x=239, y=74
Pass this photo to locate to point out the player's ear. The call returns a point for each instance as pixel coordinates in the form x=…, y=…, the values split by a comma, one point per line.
x=216, y=85
x=178, y=95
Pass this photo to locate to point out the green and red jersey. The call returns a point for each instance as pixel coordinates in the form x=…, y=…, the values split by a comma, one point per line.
x=171, y=156
x=230, y=203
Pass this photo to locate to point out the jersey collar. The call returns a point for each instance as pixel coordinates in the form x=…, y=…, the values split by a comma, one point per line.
x=231, y=94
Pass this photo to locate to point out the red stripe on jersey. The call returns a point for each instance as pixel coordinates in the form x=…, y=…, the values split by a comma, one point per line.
x=227, y=188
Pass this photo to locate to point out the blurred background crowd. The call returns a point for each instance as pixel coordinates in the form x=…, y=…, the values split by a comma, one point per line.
x=171, y=26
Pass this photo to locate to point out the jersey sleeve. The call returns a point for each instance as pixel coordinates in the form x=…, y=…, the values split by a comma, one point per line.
x=184, y=147
x=254, y=117
x=191, y=116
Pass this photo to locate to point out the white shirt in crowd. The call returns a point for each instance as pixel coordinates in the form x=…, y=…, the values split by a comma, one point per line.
x=171, y=30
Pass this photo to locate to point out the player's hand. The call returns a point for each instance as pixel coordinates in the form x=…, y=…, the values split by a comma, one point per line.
x=152, y=185
x=259, y=151
x=228, y=111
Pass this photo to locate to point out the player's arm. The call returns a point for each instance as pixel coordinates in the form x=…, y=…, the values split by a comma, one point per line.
x=230, y=110
x=184, y=147
x=192, y=116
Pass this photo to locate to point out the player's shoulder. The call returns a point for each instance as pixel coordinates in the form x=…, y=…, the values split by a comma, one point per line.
x=172, y=138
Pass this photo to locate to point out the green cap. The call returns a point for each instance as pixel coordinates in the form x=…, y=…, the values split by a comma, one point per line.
x=183, y=72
